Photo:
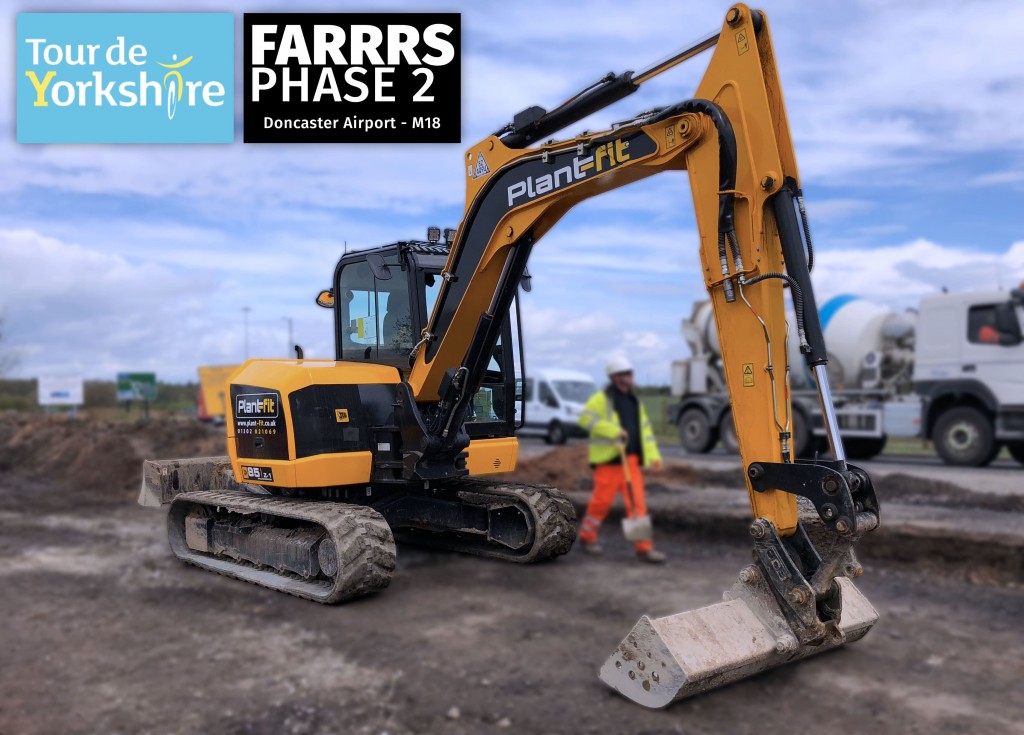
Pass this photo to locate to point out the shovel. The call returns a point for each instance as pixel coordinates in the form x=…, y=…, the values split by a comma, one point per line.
x=637, y=528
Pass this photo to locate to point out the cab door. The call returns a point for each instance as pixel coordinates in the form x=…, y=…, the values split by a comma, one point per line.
x=374, y=319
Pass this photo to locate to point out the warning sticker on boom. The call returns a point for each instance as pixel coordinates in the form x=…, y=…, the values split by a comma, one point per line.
x=748, y=375
x=742, y=45
x=482, y=169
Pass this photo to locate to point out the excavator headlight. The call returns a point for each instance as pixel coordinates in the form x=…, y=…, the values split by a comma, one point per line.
x=449, y=235
x=433, y=234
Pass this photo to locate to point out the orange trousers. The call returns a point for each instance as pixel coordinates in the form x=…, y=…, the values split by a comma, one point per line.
x=610, y=480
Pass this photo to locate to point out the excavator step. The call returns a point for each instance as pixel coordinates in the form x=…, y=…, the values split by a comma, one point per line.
x=666, y=659
x=322, y=551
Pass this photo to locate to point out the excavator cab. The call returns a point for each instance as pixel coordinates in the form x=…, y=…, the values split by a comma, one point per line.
x=382, y=299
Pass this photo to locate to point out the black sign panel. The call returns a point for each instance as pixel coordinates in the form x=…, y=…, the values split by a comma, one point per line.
x=353, y=78
x=261, y=431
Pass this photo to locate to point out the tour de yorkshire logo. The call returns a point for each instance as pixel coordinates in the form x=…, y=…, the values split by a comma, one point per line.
x=125, y=78
x=176, y=87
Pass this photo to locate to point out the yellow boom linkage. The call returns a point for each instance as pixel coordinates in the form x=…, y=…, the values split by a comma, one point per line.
x=734, y=141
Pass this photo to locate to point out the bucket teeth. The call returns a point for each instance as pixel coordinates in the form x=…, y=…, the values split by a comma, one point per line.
x=678, y=656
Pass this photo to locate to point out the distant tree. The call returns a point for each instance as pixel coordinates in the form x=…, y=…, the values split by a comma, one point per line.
x=9, y=359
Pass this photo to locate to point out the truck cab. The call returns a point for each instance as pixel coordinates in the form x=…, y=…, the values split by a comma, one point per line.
x=969, y=372
x=951, y=371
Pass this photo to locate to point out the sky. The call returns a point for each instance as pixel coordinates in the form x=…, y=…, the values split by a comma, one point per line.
x=907, y=118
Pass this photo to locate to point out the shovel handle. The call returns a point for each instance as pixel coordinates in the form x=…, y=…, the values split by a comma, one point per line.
x=625, y=471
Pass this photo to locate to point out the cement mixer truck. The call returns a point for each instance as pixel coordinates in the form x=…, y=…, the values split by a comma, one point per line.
x=950, y=371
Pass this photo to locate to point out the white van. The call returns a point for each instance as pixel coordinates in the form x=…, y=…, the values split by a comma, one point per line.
x=553, y=399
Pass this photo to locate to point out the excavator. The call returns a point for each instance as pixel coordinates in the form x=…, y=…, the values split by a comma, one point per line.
x=403, y=436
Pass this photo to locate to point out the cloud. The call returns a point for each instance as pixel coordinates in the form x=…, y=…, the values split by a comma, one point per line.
x=998, y=178
x=863, y=102
x=72, y=310
x=832, y=210
x=618, y=251
x=901, y=274
x=585, y=340
x=576, y=325
x=144, y=256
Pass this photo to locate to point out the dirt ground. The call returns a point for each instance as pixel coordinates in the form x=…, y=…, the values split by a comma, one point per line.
x=104, y=632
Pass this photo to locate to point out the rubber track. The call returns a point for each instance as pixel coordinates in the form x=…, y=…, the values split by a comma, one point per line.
x=362, y=538
x=554, y=519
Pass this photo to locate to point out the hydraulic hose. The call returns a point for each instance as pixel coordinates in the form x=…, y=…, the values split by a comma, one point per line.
x=798, y=303
x=726, y=155
x=807, y=229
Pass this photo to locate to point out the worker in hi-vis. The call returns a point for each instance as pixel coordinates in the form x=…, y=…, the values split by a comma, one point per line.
x=617, y=423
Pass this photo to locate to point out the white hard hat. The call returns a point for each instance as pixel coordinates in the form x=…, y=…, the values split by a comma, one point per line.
x=618, y=364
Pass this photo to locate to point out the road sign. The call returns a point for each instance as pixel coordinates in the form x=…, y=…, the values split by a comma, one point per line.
x=61, y=392
x=136, y=386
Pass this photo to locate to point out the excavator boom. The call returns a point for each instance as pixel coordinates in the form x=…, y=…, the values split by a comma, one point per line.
x=733, y=139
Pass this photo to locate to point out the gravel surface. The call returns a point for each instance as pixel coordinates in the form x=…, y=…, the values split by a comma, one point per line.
x=105, y=632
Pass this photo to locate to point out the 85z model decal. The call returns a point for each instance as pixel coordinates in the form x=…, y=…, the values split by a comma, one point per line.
x=257, y=474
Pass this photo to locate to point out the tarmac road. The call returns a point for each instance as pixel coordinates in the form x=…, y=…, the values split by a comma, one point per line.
x=104, y=632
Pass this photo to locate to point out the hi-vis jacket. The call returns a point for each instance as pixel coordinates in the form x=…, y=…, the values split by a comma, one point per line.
x=601, y=421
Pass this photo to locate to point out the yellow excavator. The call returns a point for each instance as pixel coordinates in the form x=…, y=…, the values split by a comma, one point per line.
x=333, y=461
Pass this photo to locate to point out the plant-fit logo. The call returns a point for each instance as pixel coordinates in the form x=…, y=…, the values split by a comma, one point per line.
x=125, y=78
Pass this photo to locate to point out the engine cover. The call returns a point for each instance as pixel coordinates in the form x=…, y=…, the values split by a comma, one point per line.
x=309, y=423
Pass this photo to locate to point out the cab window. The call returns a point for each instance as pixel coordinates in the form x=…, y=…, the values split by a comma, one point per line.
x=547, y=396
x=488, y=405
x=432, y=287
x=376, y=318
x=994, y=324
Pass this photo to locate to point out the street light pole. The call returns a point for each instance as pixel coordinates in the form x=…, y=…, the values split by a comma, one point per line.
x=291, y=338
x=245, y=312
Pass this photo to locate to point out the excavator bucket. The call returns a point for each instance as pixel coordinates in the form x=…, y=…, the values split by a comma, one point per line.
x=677, y=656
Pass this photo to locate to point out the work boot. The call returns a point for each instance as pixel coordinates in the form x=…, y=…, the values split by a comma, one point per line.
x=592, y=548
x=651, y=556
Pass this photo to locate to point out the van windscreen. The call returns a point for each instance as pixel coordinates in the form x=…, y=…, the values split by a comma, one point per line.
x=575, y=391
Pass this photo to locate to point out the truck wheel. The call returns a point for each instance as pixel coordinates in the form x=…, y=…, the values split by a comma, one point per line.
x=864, y=447
x=695, y=431
x=556, y=433
x=1017, y=451
x=963, y=436
x=727, y=433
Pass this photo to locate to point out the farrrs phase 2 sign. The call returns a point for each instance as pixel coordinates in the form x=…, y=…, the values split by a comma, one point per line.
x=352, y=78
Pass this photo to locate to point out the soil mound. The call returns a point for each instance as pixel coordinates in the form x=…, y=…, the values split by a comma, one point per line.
x=567, y=469
x=911, y=490
x=100, y=457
